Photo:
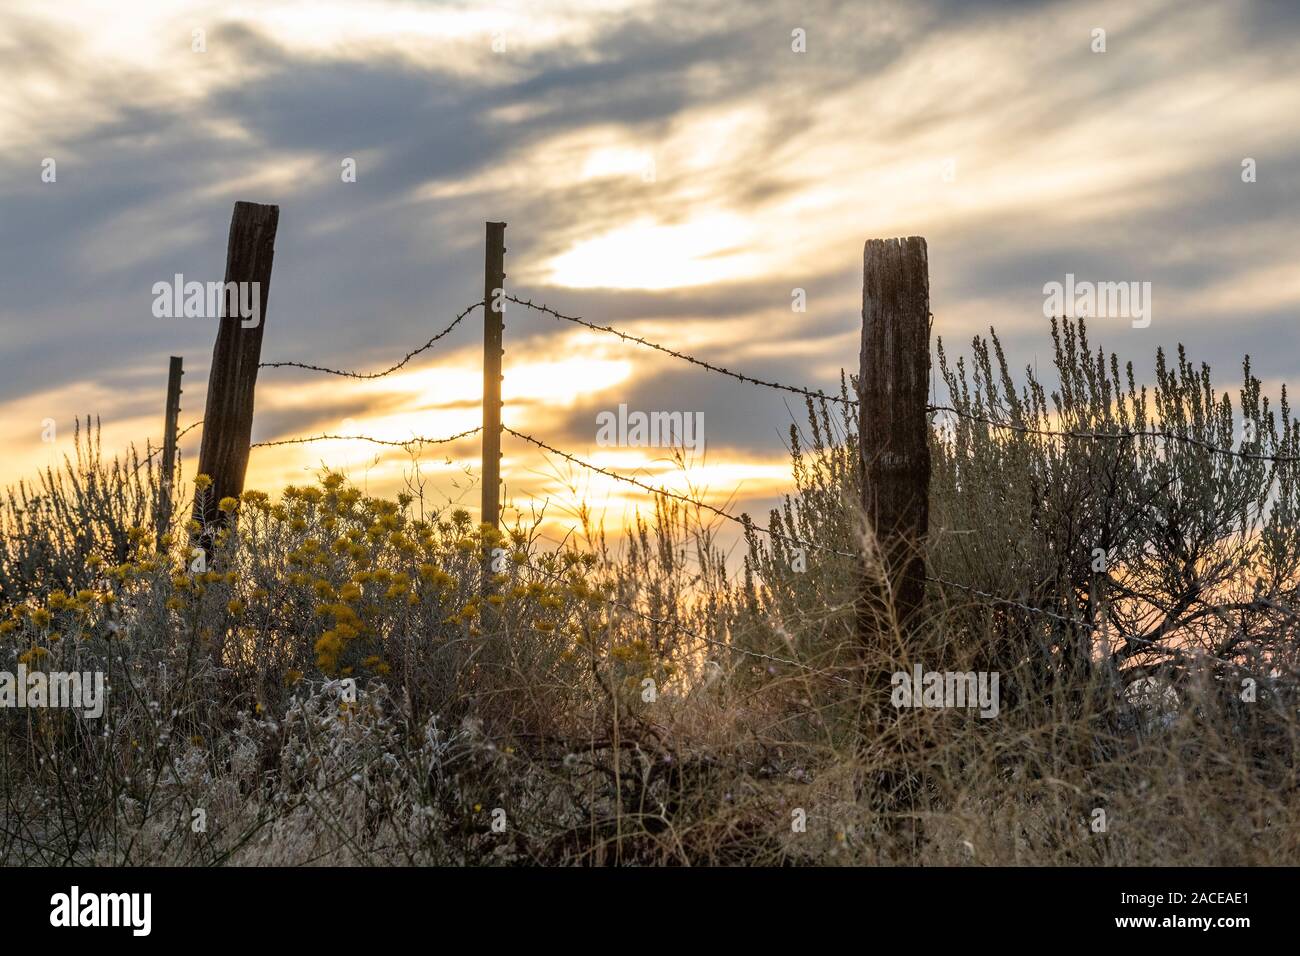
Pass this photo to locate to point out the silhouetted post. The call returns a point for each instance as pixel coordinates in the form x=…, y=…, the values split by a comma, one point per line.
x=893, y=425
x=172, y=413
x=228, y=416
x=494, y=283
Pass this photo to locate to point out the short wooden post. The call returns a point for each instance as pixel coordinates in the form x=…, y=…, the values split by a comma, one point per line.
x=494, y=282
x=228, y=415
x=172, y=413
x=893, y=424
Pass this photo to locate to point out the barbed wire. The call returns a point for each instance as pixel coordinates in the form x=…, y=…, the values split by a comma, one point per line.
x=721, y=512
x=741, y=376
x=369, y=375
x=1092, y=628
x=820, y=395
x=159, y=450
x=746, y=523
x=996, y=599
x=816, y=395
x=743, y=522
x=1114, y=436
x=414, y=440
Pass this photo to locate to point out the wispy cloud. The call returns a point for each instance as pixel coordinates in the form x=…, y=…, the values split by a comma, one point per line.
x=673, y=167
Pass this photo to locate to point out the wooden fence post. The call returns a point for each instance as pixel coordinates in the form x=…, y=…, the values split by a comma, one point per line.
x=893, y=424
x=173, y=411
x=494, y=281
x=228, y=415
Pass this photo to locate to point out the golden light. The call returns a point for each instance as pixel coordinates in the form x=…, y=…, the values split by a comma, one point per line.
x=650, y=255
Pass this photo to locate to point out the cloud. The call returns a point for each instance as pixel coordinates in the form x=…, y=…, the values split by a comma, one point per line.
x=674, y=168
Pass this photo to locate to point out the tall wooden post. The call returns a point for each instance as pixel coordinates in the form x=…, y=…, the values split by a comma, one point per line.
x=228, y=416
x=893, y=425
x=172, y=413
x=494, y=283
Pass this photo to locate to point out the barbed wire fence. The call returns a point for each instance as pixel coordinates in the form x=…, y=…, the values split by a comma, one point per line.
x=743, y=521
x=818, y=395
x=494, y=307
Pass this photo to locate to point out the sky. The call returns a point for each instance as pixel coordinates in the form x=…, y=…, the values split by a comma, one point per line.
x=674, y=169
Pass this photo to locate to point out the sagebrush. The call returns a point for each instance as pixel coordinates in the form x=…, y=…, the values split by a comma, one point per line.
x=341, y=681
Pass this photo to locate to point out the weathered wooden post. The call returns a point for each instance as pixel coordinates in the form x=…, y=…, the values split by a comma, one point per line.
x=494, y=282
x=893, y=424
x=228, y=415
x=172, y=413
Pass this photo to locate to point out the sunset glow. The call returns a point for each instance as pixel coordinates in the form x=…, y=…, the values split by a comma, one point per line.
x=689, y=203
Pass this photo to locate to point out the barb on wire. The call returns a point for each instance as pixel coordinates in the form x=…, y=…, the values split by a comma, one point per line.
x=414, y=440
x=528, y=304
x=1088, y=626
x=388, y=371
x=158, y=451
x=1114, y=436
x=743, y=522
x=1077, y=622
